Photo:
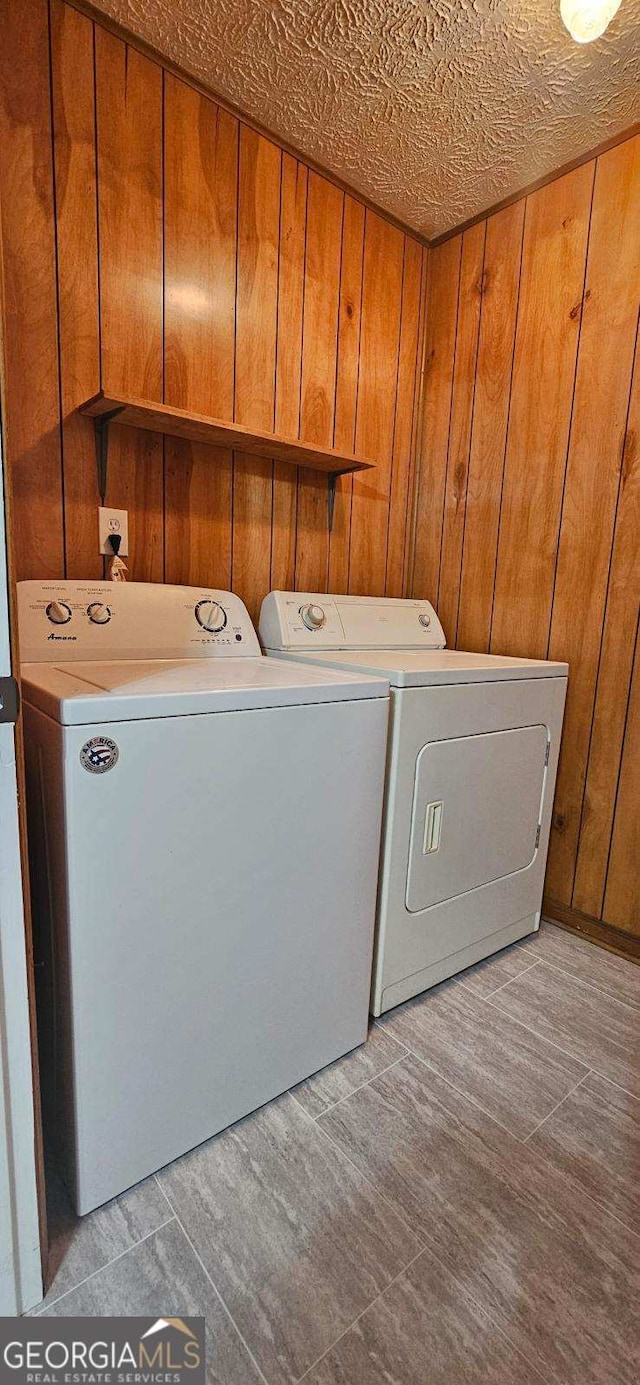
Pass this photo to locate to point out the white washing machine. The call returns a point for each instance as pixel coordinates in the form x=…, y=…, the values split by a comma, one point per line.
x=471, y=769
x=205, y=832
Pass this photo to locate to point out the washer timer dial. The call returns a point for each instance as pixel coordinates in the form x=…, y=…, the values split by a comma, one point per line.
x=58, y=613
x=425, y=620
x=211, y=616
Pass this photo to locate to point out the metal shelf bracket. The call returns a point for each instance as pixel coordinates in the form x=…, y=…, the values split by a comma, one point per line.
x=101, y=427
x=331, y=494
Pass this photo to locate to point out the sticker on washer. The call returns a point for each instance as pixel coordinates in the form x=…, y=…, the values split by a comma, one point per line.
x=99, y=754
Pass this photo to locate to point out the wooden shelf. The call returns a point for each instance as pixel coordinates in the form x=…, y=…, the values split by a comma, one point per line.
x=180, y=423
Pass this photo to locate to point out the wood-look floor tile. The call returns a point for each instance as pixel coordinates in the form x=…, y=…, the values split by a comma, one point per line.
x=422, y=1329
x=614, y=975
x=594, y=1137
x=515, y=1076
x=485, y=977
x=80, y=1245
x=161, y=1277
x=555, y=1272
x=593, y=1027
x=339, y=1079
x=293, y=1236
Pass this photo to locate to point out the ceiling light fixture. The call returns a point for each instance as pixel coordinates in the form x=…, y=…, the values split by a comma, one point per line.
x=588, y=19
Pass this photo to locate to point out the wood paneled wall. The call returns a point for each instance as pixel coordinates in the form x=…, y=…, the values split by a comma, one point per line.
x=528, y=514
x=156, y=245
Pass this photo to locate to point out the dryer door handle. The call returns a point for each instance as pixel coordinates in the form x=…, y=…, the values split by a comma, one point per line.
x=432, y=827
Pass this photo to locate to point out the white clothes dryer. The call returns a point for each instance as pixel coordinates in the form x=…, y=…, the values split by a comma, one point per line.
x=471, y=768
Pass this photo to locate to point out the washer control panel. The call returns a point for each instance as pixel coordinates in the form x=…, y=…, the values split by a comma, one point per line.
x=130, y=620
x=305, y=620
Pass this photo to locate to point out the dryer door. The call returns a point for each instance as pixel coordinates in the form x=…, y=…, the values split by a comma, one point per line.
x=476, y=812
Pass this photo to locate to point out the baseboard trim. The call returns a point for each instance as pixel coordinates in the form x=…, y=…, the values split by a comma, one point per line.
x=604, y=934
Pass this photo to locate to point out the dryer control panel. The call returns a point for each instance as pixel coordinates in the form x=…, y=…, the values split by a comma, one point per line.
x=317, y=620
x=130, y=620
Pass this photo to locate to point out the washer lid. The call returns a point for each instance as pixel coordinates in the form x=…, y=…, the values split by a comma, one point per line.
x=407, y=668
x=77, y=693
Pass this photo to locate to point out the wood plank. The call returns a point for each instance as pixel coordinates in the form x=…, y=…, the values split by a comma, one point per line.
x=318, y=384
x=462, y=399
x=79, y=314
x=197, y=514
x=257, y=290
x=200, y=211
x=291, y=282
x=379, y=351
x=129, y=114
x=251, y=538
x=552, y=281
x=293, y=221
x=614, y=676
x=283, y=528
x=321, y=300
x=31, y=423
x=256, y=326
x=622, y=894
x=433, y=444
x=605, y=362
x=416, y=423
x=135, y=483
x=489, y=433
x=344, y=434
x=129, y=129
x=403, y=436
x=183, y=423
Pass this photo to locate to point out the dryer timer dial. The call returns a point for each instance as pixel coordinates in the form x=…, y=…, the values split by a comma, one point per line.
x=313, y=617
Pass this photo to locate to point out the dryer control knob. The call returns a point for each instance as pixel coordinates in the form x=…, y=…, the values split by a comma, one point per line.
x=211, y=616
x=425, y=620
x=313, y=616
x=58, y=612
x=98, y=613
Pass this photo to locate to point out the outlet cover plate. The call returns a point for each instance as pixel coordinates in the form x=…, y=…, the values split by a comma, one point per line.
x=113, y=522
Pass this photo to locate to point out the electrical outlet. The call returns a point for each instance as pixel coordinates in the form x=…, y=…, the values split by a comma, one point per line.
x=113, y=522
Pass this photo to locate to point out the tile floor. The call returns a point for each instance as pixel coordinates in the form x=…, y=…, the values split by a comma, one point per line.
x=457, y=1201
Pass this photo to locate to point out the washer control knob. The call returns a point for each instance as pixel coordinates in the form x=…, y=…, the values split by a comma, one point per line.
x=313, y=616
x=58, y=612
x=211, y=616
x=98, y=613
x=425, y=620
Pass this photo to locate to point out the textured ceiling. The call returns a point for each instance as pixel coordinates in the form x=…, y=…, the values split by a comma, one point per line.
x=434, y=109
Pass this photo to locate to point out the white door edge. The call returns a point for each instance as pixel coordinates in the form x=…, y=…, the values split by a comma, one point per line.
x=20, y=1257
